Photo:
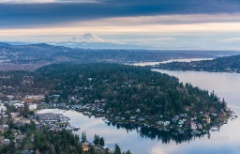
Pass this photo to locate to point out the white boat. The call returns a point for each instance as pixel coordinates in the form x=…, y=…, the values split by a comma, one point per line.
x=214, y=128
x=233, y=116
x=106, y=121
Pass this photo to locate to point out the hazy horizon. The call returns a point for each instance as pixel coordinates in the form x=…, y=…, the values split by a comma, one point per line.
x=154, y=24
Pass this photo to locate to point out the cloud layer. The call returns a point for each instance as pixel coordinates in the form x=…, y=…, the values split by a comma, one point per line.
x=15, y=13
x=161, y=24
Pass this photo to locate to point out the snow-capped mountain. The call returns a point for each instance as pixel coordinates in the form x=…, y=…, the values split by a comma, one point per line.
x=91, y=41
x=88, y=37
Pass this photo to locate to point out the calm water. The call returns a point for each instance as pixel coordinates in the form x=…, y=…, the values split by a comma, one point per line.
x=169, y=61
x=225, y=141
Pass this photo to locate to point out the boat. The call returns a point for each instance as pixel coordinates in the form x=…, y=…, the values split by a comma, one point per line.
x=214, y=128
x=233, y=116
x=225, y=122
x=106, y=121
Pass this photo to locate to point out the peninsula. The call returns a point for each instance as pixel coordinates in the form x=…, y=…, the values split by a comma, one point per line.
x=120, y=94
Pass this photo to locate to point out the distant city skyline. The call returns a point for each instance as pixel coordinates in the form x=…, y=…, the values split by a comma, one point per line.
x=152, y=24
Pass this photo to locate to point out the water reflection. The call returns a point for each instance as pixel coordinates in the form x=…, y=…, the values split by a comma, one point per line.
x=144, y=141
x=165, y=136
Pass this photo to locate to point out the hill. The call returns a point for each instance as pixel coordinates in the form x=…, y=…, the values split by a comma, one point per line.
x=126, y=95
x=33, y=56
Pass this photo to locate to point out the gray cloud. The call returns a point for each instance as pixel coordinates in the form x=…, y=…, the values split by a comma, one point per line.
x=44, y=14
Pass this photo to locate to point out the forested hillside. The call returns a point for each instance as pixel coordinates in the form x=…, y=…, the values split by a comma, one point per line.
x=125, y=89
x=222, y=64
x=121, y=93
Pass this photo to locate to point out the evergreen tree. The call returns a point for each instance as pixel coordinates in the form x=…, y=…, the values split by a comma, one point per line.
x=101, y=142
x=84, y=137
x=96, y=139
x=128, y=152
x=117, y=150
x=92, y=150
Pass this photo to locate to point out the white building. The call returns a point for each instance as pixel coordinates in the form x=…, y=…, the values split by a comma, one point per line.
x=32, y=107
x=34, y=97
x=18, y=105
x=3, y=109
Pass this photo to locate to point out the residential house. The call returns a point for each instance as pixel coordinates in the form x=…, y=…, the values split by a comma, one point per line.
x=14, y=114
x=166, y=123
x=32, y=107
x=160, y=122
x=181, y=122
x=141, y=119
x=193, y=125
x=18, y=105
x=208, y=120
x=175, y=118
x=5, y=141
x=138, y=110
x=183, y=115
x=85, y=148
x=34, y=97
x=199, y=126
x=3, y=109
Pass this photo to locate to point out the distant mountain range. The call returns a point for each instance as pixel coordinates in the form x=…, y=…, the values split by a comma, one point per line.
x=87, y=41
x=91, y=41
x=36, y=55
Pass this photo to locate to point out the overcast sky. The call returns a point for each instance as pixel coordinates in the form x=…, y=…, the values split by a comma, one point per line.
x=159, y=24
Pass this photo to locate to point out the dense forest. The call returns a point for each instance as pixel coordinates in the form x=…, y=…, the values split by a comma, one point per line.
x=222, y=64
x=122, y=89
x=126, y=88
x=121, y=94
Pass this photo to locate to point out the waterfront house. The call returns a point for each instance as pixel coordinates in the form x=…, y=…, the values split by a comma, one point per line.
x=49, y=118
x=199, y=126
x=141, y=119
x=208, y=120
x=193, y=125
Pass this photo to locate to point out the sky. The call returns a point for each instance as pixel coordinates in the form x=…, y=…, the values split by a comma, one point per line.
x=152, y=24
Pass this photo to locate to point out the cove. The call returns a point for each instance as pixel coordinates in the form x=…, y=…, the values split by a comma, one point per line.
x=226, y=140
